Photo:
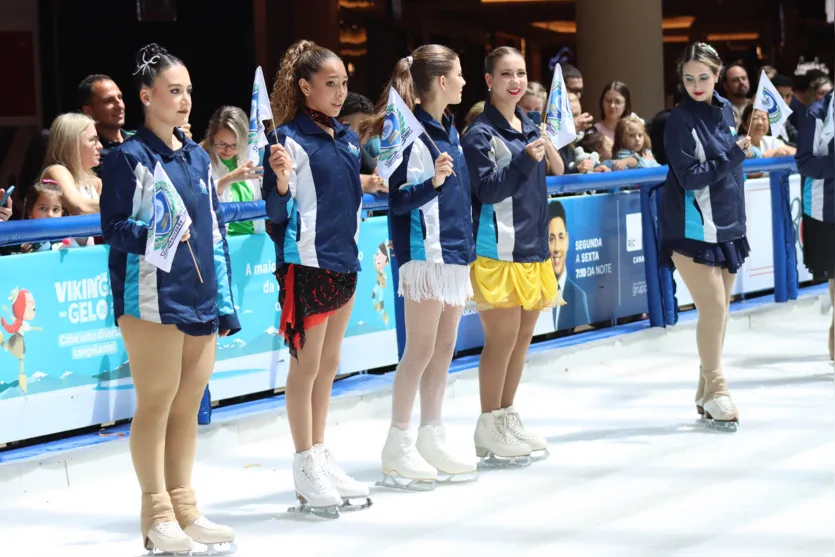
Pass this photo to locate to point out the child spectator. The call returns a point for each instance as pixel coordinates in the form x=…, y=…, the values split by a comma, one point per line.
x=632, y=141
x=45, y=201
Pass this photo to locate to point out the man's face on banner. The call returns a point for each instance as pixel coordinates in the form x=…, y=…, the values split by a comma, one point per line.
x=558, y=243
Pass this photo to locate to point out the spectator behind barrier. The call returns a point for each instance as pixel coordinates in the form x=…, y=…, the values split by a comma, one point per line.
x=45, y=201
x=615, y=103
x=236, y=178
x=71, y=154
x=101, y=99
x=574, y=84
x=820, y=87
x=355, y=110
x=763, y=146
x=737, y=87
x=535, y=99
x=633, y=142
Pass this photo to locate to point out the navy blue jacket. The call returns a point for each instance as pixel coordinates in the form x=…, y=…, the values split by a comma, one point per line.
x=510, y=200
x=127, y=204
x=816, y=163
x=704, y=195
x=316, y=224
x=429, y=224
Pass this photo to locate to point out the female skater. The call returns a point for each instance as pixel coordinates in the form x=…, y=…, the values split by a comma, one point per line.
x=433, y=260
x=816, y=162
x=703, y=219
x=314, y=197
x=512, y=276
x=169, y=321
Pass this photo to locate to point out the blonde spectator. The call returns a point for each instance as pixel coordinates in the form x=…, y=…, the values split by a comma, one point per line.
x=72, y=153
x=632, y=141
x=535, y=99
x=236, y=178
x=474, y=113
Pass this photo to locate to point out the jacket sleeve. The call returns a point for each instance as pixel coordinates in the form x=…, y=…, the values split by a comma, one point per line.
x=488, y=183
x=276, y=204
x=818, y=167
x=227, y=315
x=686, y=158
x=120, y=198
x=408, y=187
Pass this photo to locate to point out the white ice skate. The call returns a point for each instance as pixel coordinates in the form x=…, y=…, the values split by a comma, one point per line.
x=316, y=493
x=218, y=539
x=496, y=446
x=167, y=538
x=432, y=446
x=721, y=414
x=537, y=443
x=354, y=494
x=403, y=466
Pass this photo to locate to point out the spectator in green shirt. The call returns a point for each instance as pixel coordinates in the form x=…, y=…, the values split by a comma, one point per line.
x=236, y=178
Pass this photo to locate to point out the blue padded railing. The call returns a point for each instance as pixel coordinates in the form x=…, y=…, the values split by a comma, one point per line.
x=660, y=292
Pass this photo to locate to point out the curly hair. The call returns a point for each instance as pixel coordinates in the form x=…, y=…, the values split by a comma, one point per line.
x=301, y=61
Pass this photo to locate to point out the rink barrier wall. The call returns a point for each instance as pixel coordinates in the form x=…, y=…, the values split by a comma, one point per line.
x=376, y=347
x=75, y=461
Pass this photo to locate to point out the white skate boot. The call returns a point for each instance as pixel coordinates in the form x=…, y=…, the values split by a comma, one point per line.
x=496, y=446
x=349, y=488
x=432, y=446
x=721, y=414
x=316, y=493
x=403, y=466
x=537, y=443
x=217, y=538
x=167, y=538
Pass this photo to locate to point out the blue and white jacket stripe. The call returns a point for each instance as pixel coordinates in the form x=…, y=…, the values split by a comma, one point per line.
x=316, y=224
x=429, y=224
x=704, y=194
x=509, y=197
x=816, y=163
x=139, y=288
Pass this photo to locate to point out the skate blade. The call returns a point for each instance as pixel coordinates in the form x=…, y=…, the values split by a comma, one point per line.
x=450, y=479
x=304, y=507
x=493, y=462
x=217, y=550
x=351, y=504
x=399, y=482
x=159, y=553
x=720, y=426
x=540, y=455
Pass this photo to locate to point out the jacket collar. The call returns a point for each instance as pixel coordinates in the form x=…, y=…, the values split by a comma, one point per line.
x=158, y=146
x=716, y=104
x=500, y=123
x=429, y=122
x=309, y=127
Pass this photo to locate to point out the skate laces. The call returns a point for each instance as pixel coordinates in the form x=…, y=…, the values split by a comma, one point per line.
x=315, y=474
x=514, y=422
x=502, y=427
x=204, y=522
x=332, y=468
x=170, y=529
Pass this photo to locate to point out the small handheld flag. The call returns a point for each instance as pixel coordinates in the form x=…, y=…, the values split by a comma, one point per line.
x=559, y=122
x=400, y=129
x=770, y=101
x=168, y=224
x=259, y=111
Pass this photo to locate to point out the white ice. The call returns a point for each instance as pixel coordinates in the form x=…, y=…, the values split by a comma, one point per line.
x=630, y=474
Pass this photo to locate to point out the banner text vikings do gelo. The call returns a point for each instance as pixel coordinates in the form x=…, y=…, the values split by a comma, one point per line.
x=63, y=365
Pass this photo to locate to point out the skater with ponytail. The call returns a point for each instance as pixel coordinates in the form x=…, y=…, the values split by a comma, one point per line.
x=314, y=197
x=431, y=186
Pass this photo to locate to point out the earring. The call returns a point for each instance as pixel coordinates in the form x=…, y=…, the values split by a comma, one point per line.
x=147, y=103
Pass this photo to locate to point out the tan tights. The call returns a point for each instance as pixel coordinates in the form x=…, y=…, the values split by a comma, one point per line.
x=311, y=376
x=710, y=288
x=507, y=336
x=431, y=331
x=170, y=371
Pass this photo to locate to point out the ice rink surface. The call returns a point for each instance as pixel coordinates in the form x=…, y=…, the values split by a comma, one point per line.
x=630, y=473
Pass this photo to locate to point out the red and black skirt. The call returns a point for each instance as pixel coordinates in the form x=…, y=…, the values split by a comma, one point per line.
x=307, y=296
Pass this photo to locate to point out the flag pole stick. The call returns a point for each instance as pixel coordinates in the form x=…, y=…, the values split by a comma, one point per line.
x=188, y=243
x=434, y=145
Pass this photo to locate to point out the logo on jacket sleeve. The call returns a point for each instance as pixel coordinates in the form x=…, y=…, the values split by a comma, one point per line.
x=203, y=187
x=354, y=149
x=733, y=131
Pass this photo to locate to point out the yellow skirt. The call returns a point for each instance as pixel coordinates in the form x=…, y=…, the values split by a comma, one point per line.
x=504, y=284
